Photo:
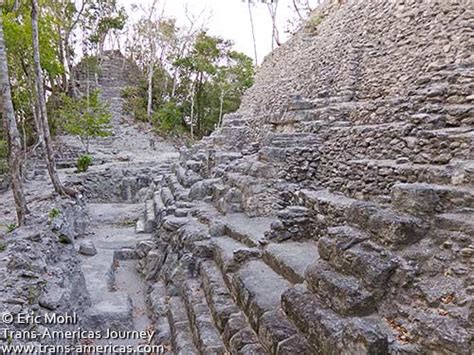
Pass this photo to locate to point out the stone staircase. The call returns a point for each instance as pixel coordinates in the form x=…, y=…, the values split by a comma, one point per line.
x=249, y=258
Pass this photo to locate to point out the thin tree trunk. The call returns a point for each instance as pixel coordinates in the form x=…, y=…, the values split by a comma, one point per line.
x=62, y=55
x=150, y=90
x=67, y=52
x=298, y=12
x=192, y=111
x=253, y=31
x=72, y=79
x=14, y=141
x=272, y=8
x=58, y=187
x=34, y=107
x=221, y=108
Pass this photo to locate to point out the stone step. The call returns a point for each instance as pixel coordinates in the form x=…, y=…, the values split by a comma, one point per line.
x=229, y=254
x=331, y=205
x=329, y=333
x=140, y=225
x=181, y=333
x=159, y=207
x=190, y=232
x=194, y=165
x=172, y=223
x=346, y=295
x=275, y=332
x=179, y=191
x=203, y=189
x=224, y=157
x=386, y=227
x=208, y=214
x=287, y=154
x=114, y=313
x=420, y=198
x=286, y=140
x=233, y=132
x=234, y=122
x=157, y=302
x=457, y=222
x=150, y=216
x=349, y=251
x=463, y=173
x=371, y=128
x=206, y=335
x=290, y=259
x=358, y=173
x=250, y=231
x=186, y=177
x=257, y=289
x=167, y=196
x=229, y=320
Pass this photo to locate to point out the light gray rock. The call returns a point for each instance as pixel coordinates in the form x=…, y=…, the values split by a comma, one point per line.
x=87, y=247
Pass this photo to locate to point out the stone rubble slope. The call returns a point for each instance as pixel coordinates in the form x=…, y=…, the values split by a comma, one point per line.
x=333, y=214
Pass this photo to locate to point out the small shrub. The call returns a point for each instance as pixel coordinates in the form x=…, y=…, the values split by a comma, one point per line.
x=11, y=227
x=314, y=22
x=55, y=212
x=168, y=119
x=87, y=117
x=3, y=246
x=83, y=163
x=136, y=103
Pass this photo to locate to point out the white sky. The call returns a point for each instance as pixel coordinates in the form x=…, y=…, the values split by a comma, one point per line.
x=228, y=19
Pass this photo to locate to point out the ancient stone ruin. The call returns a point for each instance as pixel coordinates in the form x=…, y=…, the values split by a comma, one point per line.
x=332, y=214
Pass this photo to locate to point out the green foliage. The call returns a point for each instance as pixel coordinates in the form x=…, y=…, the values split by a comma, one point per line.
x=87, y=117
x=55, y=212
x=18, y=39
x=314, y=21
x=3, y=246
x=3, y=157
x=91, y=62
x=100, y=18
x=11, y=227
x=136, y=102
x=205, y=80
x=83, y=163
x=169, y=119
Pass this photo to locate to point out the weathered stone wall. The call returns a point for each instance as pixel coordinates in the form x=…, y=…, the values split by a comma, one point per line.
x=333, y=213
x=112, y=69
x=387, y=84
x=373, y=50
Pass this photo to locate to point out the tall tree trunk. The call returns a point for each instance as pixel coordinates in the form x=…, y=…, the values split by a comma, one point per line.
x=72, y=89
x=34, y=107
x=62, y=56
x=192, y=111
x=14, y=141
x=272, y=8
x=150, y=90
x=253, y=31
x=58, y=187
